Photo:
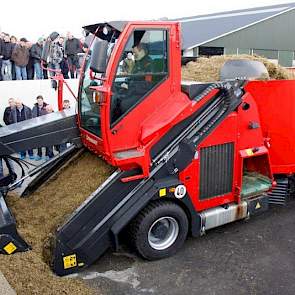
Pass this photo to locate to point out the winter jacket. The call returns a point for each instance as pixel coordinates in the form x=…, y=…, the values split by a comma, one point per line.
x=20, y=55
x=6, y=50
x=37, y=111
x=6, y=115
x=1, y=42
x=30, y=67
x=72, y=47
x=17, y=116
x=36, y=52
x=55, y=54
x=142, y=66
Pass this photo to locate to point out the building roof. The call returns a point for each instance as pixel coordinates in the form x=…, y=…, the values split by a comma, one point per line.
x=201, y=29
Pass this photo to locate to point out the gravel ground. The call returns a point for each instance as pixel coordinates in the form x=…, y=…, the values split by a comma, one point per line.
x=5, y=288
x=246, y=257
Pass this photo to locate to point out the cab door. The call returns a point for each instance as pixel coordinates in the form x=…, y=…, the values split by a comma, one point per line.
x=141, y=81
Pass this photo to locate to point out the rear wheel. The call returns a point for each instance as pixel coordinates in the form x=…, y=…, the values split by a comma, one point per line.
x=159, y=230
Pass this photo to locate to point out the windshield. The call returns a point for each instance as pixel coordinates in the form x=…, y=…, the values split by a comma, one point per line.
x=89, y=108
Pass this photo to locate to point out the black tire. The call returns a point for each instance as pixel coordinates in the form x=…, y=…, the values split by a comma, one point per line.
x=152, y=216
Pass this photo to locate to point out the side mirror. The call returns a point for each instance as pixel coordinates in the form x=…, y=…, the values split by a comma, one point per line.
x=98, y=63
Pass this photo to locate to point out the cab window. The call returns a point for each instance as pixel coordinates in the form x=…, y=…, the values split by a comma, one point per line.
x=143, y=65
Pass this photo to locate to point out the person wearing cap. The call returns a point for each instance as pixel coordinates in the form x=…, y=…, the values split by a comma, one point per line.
x=36, y=54
x=55, y=56
x=20, y=56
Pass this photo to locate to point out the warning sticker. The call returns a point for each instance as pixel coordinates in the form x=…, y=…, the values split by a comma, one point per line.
x=180, y=191
x=162, y=192
x=258, y=206
x=10, y=248
x=70, y=261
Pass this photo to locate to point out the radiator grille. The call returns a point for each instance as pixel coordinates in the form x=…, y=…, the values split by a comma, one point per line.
x=216, y=170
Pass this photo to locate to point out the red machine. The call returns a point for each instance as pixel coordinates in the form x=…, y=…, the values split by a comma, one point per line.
x=255, y=128
x=191, y=156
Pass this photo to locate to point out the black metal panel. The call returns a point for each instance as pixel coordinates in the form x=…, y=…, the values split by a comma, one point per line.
x=55, y=128
x=87, y=231
x=258, y=205
x=192, y=89
x=210, y=51
x=50, y=168
x=10, y=240
x=96, y=210
x=216, y=170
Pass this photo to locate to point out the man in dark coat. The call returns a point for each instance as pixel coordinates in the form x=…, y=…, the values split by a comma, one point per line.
x=55, y=56
x=36, y=54
x=143, y=63
x=6, y=52
x=39, y=109
x=18, y=114
x=64, y=66
x=30, y=65
x=7, y=111
x=72, y=48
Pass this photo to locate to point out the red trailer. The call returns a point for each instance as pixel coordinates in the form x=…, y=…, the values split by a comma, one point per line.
x=276, y=108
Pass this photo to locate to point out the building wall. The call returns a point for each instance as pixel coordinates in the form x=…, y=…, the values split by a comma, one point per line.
x=273, y=38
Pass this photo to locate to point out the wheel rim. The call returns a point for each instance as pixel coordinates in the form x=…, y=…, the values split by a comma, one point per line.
x=163, y=233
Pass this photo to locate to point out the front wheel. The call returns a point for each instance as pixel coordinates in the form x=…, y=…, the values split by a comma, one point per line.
x=159, y=230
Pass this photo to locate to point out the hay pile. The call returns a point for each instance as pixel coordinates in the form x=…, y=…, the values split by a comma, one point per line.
x=208, y=69
x=39, y=215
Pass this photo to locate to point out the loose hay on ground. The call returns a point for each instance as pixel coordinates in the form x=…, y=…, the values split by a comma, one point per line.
x=208, y=69
x=39, y=215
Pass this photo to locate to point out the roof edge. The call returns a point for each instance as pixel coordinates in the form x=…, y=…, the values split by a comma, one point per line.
x=241, y=28
x=289, y=5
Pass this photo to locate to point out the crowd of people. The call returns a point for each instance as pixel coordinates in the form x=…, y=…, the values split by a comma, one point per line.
x=23, y=60
x=17, y=111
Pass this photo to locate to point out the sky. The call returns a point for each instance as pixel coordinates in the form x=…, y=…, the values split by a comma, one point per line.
x=33, y=19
